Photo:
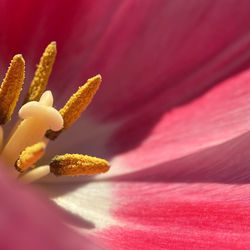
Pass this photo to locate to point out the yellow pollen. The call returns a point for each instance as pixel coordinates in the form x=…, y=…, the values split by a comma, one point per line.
x=77, y=103
x=11, y=88
x=42, y=74
x=76, y=164
x=29, y=156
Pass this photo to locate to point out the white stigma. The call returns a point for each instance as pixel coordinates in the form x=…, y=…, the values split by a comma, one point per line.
x=37, y=117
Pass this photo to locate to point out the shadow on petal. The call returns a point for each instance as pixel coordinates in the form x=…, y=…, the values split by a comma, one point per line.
x=59, y=189
x=75, y=220
x=228, y=163
x=55, y=190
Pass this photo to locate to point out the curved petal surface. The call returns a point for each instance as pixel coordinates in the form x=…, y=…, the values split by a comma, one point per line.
x=220, y=115
x=142, y=50
x=198, y=201
x=179, y=216
x=32, y=222
x=160, y=53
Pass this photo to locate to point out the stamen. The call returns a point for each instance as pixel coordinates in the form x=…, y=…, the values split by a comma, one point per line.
x=26, y=143
x=11, y=88
x=77, y=103
x=29, y=156
x=42, y=74
x=76, y=164
x=35, y=174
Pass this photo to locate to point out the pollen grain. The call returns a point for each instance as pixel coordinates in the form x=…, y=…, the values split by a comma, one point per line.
x=77, y=164
x=11, y=88
x=42, y=74
x=29, y=156
x=77, y=103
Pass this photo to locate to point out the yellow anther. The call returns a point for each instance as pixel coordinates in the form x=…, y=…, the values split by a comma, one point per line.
x=76, y=164
x=77, y=103
x=11, y=88
x=42, y=74
x=29, y=156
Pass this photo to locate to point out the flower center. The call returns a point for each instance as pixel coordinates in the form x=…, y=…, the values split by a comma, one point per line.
x=39, y=122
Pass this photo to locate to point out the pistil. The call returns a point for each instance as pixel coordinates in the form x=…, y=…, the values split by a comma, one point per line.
x=37, y=119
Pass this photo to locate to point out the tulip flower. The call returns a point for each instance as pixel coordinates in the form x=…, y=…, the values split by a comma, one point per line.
x=171, y=116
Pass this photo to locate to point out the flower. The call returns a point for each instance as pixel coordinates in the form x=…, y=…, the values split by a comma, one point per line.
x=171, y=116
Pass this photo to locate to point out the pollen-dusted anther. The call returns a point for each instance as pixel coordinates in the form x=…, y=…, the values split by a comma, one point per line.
x=42, y=74
x=11, y=88
x=77, y=103
x=76, y=164
x=29, y=156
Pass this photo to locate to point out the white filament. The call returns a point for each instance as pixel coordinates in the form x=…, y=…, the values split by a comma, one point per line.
x=35, y=174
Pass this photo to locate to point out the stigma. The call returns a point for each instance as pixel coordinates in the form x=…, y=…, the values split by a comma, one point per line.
x=39, y=122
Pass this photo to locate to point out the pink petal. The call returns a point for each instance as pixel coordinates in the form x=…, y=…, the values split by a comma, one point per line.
x=156, y=54
x=167, y=50
x=143, y=51
x=220, y=115
x=130, y=49
x=179, y=216
x=224, y=163
x=32, y=222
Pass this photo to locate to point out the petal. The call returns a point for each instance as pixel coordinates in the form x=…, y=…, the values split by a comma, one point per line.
x=223, y=113
x=32, y=222
x=164, y=54
x=163, y=46
x=87, y=202
x=218, y=116
x=167, y=50
x=224, y=163
x=199, y=201
x=179, y=216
